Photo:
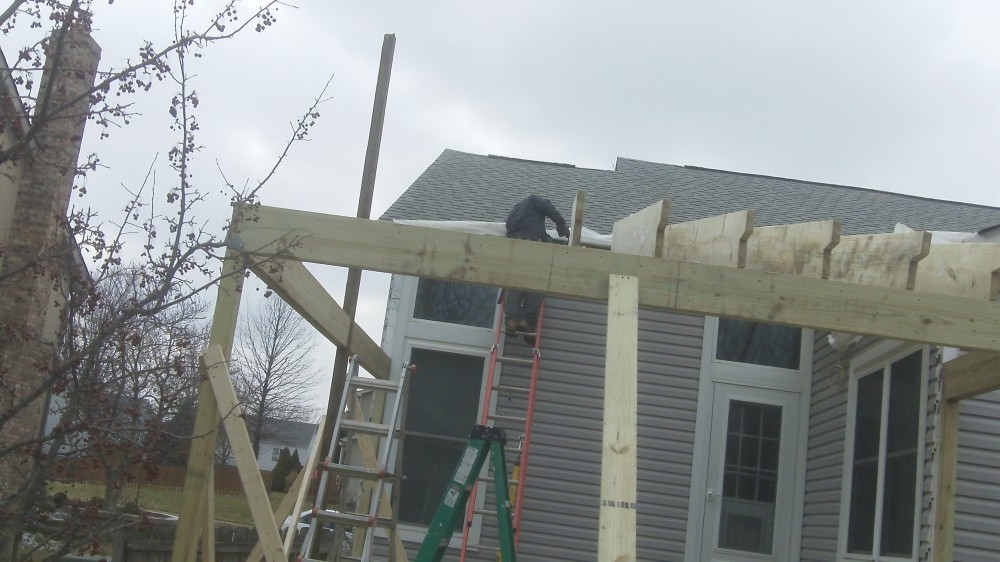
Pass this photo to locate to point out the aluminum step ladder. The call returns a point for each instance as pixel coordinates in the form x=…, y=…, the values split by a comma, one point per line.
x=385, y=433
x=518, y=423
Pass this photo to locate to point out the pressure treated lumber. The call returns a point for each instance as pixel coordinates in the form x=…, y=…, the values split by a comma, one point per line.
x=882, y=260
x=641, y=233
x=971, y=375
x=719, y=240
x=947, y=477
x=303, y=292
x=582, y=273
x=793, y=249
x=616, y=540
x=576, y=219
x=964, y=270
x=215, y=369
x=197, y=516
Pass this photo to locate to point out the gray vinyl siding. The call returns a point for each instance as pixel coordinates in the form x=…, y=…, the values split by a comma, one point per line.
x=824, y=458
x=560, y=514
x=977, y=524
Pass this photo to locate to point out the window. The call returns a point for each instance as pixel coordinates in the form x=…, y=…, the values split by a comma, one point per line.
x=750, y=478
x=441, y=408
x=455, y=303
x=759, y=344
x=883, y=469
x=275, y=453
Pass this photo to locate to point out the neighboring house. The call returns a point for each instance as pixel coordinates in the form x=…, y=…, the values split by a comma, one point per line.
x=35, y=190
x=756, y=442
x=279, y=434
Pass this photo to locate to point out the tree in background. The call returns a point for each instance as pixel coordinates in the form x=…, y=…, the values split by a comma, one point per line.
x=272, y=370
x=163, y=234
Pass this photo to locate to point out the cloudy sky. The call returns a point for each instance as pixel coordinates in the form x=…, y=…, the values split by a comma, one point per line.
x=899, y=96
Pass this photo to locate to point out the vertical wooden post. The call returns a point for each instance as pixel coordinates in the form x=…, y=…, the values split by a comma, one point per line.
x=197, y=517
x=353, y=287
x=947, y=465
x=576, y=219
x=617, y=522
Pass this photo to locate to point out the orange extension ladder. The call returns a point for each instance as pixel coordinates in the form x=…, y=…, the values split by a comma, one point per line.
x=494, y=390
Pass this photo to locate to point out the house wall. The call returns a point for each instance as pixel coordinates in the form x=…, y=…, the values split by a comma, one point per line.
x=824, y=456
x=977, y=531
x=560, y=514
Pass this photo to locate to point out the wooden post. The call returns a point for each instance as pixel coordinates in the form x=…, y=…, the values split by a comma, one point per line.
x=947, y=465
x=197, y=517
x=617, y=523
x=576, y=219
x=214, y=368
x=339, y=382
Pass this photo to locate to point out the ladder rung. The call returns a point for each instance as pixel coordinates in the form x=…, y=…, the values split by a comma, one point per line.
x=353, y=471
x=351, y=519
x=365, y=427
x=507, y=418
x=512, y=389
x=510, y=481
x=375, y=384
x=515, y=360
x=482, y=547
x=484, y=511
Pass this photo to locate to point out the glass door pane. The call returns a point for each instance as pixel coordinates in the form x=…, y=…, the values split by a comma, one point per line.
x=750, y=477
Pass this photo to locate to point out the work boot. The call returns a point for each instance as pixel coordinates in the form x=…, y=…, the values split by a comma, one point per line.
x=511, y=327
x=523, y=326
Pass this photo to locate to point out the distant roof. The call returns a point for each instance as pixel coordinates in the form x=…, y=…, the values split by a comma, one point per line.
x=474, y=187
x=290, y=433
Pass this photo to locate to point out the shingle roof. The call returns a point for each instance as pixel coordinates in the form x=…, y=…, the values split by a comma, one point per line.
x=473, y=187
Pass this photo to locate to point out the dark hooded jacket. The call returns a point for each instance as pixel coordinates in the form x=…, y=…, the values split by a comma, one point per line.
x=527, y=219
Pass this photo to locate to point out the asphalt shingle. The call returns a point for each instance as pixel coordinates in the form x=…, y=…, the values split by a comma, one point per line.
x=473, y=187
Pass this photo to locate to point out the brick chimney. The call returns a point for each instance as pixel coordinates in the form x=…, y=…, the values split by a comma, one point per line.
x=29, y=316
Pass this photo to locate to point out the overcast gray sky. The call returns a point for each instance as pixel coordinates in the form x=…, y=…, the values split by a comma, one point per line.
x=899, y=96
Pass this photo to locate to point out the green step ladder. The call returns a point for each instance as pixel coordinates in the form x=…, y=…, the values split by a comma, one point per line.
x=483, y=441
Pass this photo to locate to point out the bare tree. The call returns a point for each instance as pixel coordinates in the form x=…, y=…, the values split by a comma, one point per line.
x=273, y=372
x=178, y=258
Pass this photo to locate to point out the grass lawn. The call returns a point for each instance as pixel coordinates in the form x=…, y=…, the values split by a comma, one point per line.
x=228, y=507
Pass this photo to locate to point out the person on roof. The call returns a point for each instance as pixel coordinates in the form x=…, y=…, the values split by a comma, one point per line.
x=527, y=222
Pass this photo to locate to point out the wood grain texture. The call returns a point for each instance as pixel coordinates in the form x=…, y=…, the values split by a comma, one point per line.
x=719, y=240
x=962, y=270
x=881, y=260
x=641, y=233
x=793, y=249
x=616, y=535
x=582, y=273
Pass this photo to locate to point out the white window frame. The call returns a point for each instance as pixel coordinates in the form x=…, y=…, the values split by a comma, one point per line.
x=866, y=363
x=406, y=332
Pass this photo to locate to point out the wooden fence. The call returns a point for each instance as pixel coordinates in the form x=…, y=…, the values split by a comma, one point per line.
x=227, y=478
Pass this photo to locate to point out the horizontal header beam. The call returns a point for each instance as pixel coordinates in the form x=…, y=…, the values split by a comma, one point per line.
x=583, y=273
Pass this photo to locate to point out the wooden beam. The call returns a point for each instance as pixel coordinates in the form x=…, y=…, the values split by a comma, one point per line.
x=215, y=369
x=719, y=240
x=882, y=260
x=303, y=292
x=197, y=516
x=576, y=219
x=794, y=249
x=970, y=375
x=582, y=273
x=641, y=233
x=947, y=476
x=962, y=270
x=616, y=534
